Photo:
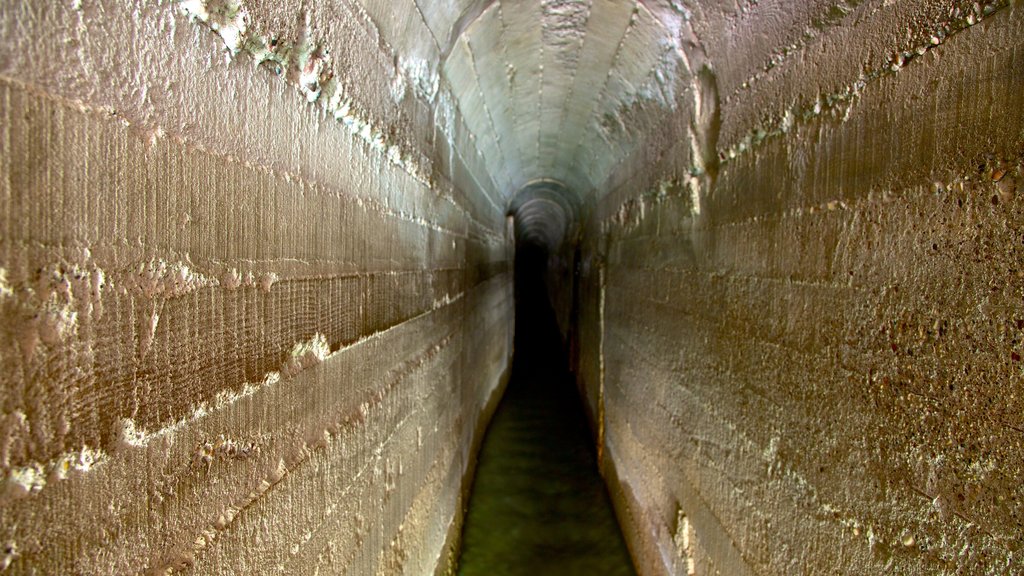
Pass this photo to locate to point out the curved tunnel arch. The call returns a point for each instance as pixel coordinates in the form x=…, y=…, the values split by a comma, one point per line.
x=546, y=213
x=542, y=103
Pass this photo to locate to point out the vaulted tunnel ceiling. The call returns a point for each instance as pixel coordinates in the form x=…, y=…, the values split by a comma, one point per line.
x=557, y=90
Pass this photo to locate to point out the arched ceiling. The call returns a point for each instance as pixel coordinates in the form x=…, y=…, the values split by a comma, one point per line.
x=519, y=91
x=546, y=88
x=553, y=91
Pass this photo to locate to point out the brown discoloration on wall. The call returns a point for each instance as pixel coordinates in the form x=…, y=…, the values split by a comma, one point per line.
x=236, y=337
x=821, y=367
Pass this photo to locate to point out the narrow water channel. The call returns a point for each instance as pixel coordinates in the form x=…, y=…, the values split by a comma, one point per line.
x=538, y=504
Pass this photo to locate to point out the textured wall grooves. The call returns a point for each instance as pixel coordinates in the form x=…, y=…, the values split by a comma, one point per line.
x=256, y=277
x=816, y=361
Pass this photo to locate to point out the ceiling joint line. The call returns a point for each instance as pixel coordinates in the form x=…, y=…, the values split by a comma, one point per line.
x=487, y=109
x=615, y=60
x=511, y=73
x=426, y=25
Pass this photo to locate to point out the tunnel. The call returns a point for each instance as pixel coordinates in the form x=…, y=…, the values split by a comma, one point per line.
x=715, y=287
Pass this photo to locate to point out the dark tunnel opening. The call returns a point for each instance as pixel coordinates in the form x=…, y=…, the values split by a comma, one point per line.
x=538, y=504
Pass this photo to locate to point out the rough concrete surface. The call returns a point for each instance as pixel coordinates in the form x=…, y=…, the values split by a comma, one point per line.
x=256, y=283
x=241, y=334
x=805, y=358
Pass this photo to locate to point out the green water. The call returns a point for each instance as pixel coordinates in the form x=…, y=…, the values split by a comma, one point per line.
x=538, y=504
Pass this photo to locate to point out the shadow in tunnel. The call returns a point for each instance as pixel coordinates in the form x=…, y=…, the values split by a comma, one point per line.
x=538, y=505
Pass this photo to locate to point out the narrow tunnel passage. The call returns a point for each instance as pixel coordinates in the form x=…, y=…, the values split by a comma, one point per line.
x=538, y=505
x=257, y=286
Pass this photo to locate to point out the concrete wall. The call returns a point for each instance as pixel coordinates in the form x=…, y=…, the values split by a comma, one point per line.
x=802, y=321
x=255, y=281
x=248, y=324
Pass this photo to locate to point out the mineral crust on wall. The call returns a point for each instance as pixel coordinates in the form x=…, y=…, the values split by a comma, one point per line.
x=249, y=324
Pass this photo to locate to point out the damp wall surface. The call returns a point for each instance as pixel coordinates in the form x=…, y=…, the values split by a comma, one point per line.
x=256, y=296
x=802, y=300
x=248, y=324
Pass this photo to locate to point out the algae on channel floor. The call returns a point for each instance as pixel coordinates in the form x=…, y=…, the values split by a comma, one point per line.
x=538, y=504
